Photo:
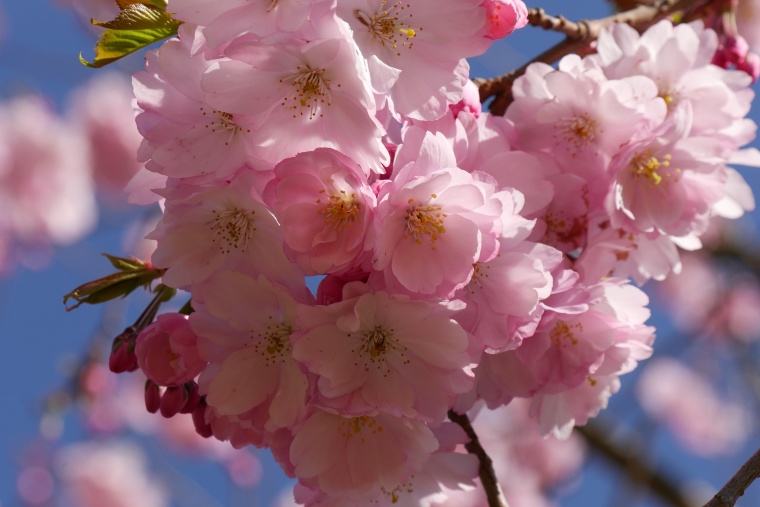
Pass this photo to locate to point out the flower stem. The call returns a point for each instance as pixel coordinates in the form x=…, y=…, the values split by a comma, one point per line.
x=487, y=475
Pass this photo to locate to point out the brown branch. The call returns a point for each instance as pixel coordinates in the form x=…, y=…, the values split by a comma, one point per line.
x=573, y=30
x=578, y=36
x=735, y=487
x=635, y=469
x=487, y=475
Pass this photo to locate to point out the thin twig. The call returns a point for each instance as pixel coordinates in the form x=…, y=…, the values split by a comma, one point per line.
x=487, y=475
x=735, y=487
x=635, y=469
x=578, y=36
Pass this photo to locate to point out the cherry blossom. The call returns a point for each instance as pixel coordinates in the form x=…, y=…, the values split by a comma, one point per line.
x=205, y=230
x=244, y=327
x=360, y=453
x=185, y=136
x=426, y=40
x=324, y=208
x=380, y=352
x=436, y=220
x=308, y=95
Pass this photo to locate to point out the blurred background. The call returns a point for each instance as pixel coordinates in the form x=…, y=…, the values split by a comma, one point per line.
x=73, y=434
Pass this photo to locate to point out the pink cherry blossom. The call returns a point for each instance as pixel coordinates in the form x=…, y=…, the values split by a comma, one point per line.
x=677, y=59
x=505, y=292
x=222, y=227
x=448, y=471
x=325, y=210
x=360, y=453
x=571, y=365
x=426, y=40
x=308, y=96
x=667, y=183
x=384, y=352
x=612, y=251
x=167, y=352
x=435, y=221
x=579, y=113
x=244, y=327
x=185, y=137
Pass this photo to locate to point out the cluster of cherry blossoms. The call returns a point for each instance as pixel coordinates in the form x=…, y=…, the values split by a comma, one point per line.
x=464, y=259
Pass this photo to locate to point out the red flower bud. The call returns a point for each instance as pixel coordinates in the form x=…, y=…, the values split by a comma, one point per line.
x=152, y=396
x=172, y=401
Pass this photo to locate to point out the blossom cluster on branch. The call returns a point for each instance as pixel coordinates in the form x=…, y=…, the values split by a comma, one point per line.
x=464, y=259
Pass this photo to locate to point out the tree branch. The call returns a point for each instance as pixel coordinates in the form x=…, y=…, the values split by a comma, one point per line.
x=487, y=475
x=578, y=36
x=635, y=469
x=735, y=487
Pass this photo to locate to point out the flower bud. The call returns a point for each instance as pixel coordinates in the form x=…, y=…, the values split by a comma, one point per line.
x=505, y=16
x=122, y=356
x=166, y=351
x=193, y=398
x=172, y=401
x=750, y=65
x=152, y=396
x=199, y=420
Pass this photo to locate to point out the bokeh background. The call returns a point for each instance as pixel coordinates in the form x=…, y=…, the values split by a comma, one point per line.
x=45, y=351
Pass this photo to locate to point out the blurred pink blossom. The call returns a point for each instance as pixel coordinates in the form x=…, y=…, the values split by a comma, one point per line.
x=46, y=193
x=103, y=110
x=703, y=420
x=114, y=474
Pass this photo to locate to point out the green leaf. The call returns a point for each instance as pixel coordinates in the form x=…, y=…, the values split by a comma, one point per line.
x=139, y=24
x=124, y=264
x=132, y=274
x=123, y=4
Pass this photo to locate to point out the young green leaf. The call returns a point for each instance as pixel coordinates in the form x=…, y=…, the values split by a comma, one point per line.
x=132, y=274
x=138, y=24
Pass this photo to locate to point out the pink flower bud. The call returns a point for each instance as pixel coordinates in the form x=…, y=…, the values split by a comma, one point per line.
x=750, y=65
x=193, y=398
x=173, y=400
x=199, y=420
x=505, y=16
x=122, y=356
x=166, y=351
x=152, y=396
x=736, y=47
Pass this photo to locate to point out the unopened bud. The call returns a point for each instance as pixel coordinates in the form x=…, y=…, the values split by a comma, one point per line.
x=199, y=420
x=122, y=356
x=750, y=65
x=152, y=396
x=172, y=401
x=193, y=398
